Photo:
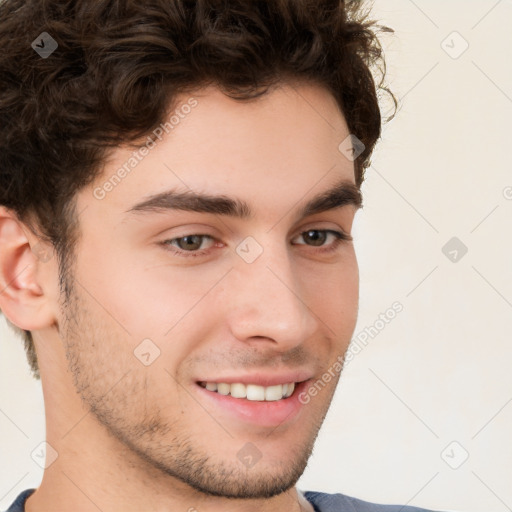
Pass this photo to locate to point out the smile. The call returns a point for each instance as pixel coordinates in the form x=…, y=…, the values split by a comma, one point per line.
x=251, y=391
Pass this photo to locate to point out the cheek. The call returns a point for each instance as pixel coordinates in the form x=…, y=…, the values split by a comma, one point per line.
x=144, y=298
x=335, y=293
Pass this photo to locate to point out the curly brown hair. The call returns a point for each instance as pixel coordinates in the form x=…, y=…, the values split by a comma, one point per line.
x=120, y=66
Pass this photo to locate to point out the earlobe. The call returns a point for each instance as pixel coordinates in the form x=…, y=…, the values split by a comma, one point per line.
x=22, y=297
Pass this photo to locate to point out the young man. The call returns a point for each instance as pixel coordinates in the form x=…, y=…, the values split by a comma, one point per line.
x=178, y=185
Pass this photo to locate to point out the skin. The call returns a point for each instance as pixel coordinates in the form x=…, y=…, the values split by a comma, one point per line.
x=133, y=437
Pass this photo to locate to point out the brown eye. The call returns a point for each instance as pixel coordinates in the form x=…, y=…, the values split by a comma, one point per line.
x=190, y=242
x=316, y=236
x=188, y=245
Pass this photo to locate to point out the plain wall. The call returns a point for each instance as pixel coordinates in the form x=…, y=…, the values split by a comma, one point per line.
x=433, y=386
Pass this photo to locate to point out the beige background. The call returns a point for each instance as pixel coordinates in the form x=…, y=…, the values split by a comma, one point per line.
x=423, y=413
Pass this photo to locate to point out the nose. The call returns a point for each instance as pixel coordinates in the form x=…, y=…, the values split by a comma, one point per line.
x=267, y=302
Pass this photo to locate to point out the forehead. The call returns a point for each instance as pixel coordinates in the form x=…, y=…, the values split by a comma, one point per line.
x=273, y=149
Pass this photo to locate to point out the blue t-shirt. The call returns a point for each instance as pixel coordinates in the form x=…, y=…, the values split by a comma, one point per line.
x=321, y=502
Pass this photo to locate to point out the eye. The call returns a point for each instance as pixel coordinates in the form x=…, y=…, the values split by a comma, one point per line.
x=187, y=244
x=319, y=236
x=190, y=245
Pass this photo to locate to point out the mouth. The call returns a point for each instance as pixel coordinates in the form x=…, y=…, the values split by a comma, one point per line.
x=253, y=392
x=254, y=404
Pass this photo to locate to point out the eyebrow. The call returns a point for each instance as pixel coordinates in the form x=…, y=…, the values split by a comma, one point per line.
x=342, y=194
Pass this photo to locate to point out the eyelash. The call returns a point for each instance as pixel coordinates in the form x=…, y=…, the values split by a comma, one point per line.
x=340, y=237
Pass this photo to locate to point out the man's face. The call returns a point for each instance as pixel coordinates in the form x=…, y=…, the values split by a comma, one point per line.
x=270, y=299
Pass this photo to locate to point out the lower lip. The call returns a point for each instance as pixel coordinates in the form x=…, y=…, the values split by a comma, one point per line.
x=267, y=414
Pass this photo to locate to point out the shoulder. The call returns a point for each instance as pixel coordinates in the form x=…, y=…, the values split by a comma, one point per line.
x=323, y=502
x=19, y=502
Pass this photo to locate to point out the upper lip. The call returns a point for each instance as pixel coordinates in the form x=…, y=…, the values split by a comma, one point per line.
x=262, y=379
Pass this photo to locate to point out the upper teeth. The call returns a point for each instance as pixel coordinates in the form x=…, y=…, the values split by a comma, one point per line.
x=251, y=391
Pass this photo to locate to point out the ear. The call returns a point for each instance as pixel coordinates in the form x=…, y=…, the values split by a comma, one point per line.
x=22, y=277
